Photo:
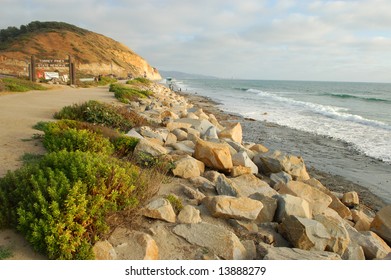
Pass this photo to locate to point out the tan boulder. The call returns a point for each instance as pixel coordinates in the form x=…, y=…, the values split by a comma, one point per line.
x=189, y=215
x=249, y=184
x=362, y=221
x=161, y=209
x=318, y=200
x=381, y=224
x=305, y=233
x=269, y=208
x=145, y=146
x=177, y=125
x=214, y=155
x=353, y=252
x=171, y=139
x=350, y=199
x=240, y=170
x=233, y=132
x=103, y=250
x=283, y=253
x=336, y=203
x=258, y=148
x=339, y=236
x=188, y=167
x=228, y=207
x=374, y=247
x=292, y=205
x=242, y=159
x=221, y=241
x=133, y=245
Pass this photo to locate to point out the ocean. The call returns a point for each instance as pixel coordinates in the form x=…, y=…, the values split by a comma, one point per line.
x=356, y=113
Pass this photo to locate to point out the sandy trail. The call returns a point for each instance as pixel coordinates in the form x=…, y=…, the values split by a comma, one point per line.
x=18, y=114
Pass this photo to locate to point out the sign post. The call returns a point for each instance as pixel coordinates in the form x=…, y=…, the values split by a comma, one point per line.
x=52, y=63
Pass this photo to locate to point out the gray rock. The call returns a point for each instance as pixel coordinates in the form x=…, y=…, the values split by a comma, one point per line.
x=280, y=177
x=224, y=186
x=241, y=158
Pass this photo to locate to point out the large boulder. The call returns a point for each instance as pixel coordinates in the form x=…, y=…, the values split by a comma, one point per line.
x=145, y=146
x=221, y=241
x=292, y=205
x=103, y=250
x=242, y=159
x=318, y=200
x=339, y=236
x=214, y=155
x=133, y=245
x=269, y=208
x=374, y=247
x=161, y=209
x=274, y=162
x=305, y=233
x=249, y=184
x=283, y=253
x=228, y=207
x=350, y=199
x=201, y=125
x=225, y=186
x=233, y=132
x=189, y=215
x=188, y=167
x=382, y=224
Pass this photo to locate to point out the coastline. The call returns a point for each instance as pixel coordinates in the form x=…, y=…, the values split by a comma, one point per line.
x=317, y=152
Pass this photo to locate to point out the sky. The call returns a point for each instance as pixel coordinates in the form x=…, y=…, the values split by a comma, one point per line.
x=250, y=39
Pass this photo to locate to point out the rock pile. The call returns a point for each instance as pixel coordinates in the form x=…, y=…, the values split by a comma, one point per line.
x=241, y=200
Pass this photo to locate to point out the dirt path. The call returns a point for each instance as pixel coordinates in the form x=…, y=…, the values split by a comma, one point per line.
x=18, y=113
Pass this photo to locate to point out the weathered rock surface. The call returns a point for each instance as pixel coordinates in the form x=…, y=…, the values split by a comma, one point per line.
x=188, y=168
x=242, y=159
x=189, y=215
x=225, y=186
x=382, y=223
x=161, y=209
x=228, y=207
x=193, y=194
x=249, y=184
x=133, y=245
x=374, y=247
x=282, y=253
x=103, y=250
x=240, y=170
x=362, y=221
x=339, y=236
x=214, y=155
x=353, y=252
x=269, y=208
x=280, y=177
x=149, y=147
x=350, y=199
x=292, y=205
x=317, y=199
x=233, y=132
x=305, y=233
x=222, y=242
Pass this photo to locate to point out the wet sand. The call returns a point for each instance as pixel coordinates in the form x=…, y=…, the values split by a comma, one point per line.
x=332, y=162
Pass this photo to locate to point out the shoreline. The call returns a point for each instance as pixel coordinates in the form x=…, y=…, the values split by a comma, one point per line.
x=276, y=137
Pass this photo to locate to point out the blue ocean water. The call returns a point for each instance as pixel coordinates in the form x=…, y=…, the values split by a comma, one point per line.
x=356, y=113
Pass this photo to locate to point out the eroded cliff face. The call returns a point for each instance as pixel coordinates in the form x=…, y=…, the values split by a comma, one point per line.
x=93, y=54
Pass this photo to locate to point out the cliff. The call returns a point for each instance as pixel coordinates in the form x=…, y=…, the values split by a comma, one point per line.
x=94, y=54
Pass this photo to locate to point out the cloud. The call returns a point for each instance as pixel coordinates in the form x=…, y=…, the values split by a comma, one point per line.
x=264, y=39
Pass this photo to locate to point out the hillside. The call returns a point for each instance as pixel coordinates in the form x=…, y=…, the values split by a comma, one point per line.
x=93, y=53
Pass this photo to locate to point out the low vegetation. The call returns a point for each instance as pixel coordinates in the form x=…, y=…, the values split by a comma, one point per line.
x=126, y=94
x=98, y=113
x=65, y=201
x=19, y=85
x=139, y=81
x=5, y=253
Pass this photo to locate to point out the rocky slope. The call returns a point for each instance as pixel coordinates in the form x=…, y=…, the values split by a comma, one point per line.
x=240, y=200
x=93, y=53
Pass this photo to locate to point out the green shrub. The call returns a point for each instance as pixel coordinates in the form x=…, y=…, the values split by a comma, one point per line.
x=125, y=94
x=97, y=113
x=59, y=137
x=60, y=204
x=104, y=80
x=5, y=253
x=175, y=202
x=124, y=145
x=20, y=85
x=139, y=80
